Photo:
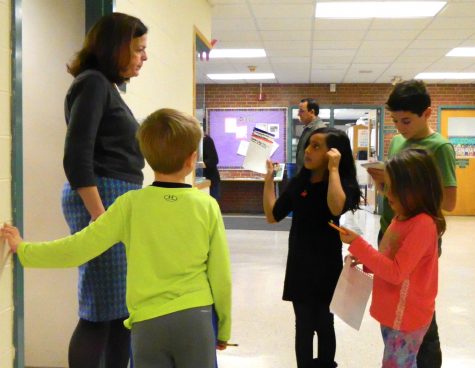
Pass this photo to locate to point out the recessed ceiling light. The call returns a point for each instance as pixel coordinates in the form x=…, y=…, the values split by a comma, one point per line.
x=378, y=9
x=237, y=53
x=239, y=76
x=445, y=76
x=462, y=52
x=365, y=71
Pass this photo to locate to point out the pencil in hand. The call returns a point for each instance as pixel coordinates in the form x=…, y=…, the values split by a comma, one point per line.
x=342, y=231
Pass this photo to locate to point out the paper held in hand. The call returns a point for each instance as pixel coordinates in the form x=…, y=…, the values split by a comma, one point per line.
x=351, y=294
x=258, y=151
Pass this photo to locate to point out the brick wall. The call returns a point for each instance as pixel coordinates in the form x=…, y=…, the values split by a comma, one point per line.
x=277, y=95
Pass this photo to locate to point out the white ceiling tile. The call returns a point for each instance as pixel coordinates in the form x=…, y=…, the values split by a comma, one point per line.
x=401, y=24
x=230, y=11
x=286, y=35
x=453, y=22
x=328, y=59
x=321, y=44
x=377, y=45
x=468, y=43
x=333, y=53
x=342, y=24
x=365, y=58
x=236, y=36
x=380, y=51
x=292, y=78
x=448, y=64
x=327, y=35
x=415, y=59
x=360, y=78
x=326, y=77
x=338, y=49
x=445, y=35
x=387, y=35
x=434, y=44
x=289, y=60
x=458, y=9
x=278, y=24
x=288, y=45
x=282, y=10
x=233, y=24
x=332, y=66
x=425, y=52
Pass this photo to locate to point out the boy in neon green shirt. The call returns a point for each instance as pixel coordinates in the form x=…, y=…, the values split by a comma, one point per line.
x=177, y=255
x=410, y=107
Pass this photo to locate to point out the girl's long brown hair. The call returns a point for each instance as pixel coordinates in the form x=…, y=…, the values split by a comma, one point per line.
x=415, y=180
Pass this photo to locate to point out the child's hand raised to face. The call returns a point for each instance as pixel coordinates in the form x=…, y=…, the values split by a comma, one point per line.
x=12, y=236
x=333, y=158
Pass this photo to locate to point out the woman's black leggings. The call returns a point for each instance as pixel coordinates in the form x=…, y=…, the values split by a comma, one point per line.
x=92, y=340
x=311, y=318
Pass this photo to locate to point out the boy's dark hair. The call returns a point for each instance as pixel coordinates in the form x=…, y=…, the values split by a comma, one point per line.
x=410, y=96
x=107, y=46
x=167, y=138
x=336, y=138
x=311, y=105
x=415, y=180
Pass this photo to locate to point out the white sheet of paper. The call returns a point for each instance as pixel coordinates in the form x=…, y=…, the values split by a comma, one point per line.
x=242, y=149
x=230, y=125
x=275, y=145
x=351, y=295
x=241, y=132
x=258, y=152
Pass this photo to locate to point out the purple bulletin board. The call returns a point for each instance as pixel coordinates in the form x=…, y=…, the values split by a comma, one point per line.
x=228, y=127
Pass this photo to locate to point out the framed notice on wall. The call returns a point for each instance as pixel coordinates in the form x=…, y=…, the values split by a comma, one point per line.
x=231, y=130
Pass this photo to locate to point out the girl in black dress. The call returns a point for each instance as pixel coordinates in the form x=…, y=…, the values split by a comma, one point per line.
x=322, y=191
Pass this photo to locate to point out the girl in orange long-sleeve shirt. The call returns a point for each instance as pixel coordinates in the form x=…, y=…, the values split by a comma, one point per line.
x=406, y=266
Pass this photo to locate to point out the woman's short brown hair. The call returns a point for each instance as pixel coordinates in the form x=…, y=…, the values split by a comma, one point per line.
x=167, y=138
x=107, y=46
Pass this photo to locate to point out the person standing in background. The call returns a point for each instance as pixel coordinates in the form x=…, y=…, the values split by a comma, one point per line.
x=308, y=115
x=102, y=161
x=211, y=160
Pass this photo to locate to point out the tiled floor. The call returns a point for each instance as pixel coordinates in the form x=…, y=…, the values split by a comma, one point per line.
x=263, y=323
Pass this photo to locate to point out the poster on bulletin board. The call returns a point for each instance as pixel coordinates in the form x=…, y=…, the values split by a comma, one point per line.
x=231, y=130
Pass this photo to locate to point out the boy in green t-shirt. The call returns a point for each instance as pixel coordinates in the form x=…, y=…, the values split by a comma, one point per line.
x=177, y=254
x=410, y=107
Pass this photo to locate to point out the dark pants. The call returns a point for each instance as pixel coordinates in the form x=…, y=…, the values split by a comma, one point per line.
x=430, y=355
x=311, y=318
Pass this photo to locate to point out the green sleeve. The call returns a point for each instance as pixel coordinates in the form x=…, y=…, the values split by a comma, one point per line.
x=219, y=273
x=76, y=249
x=445, y=158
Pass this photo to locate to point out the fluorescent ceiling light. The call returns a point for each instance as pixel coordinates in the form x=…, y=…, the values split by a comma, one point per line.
x=462, y=52
x=238, y=76
x=237, y=53
x=378, y=9
x=445, y=76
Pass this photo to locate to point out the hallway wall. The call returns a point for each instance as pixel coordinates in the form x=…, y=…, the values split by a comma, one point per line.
x=6, y=269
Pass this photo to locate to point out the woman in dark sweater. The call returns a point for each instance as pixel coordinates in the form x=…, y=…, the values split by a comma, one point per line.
x=324, y=189
x=102, y=161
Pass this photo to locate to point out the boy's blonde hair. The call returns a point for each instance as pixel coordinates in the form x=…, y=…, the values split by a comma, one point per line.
x=167, y=138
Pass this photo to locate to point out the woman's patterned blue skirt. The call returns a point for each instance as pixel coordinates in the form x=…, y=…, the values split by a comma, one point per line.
x=102, y=281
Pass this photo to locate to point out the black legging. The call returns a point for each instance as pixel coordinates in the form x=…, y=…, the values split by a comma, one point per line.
x=92, y=340
x=311, y=318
